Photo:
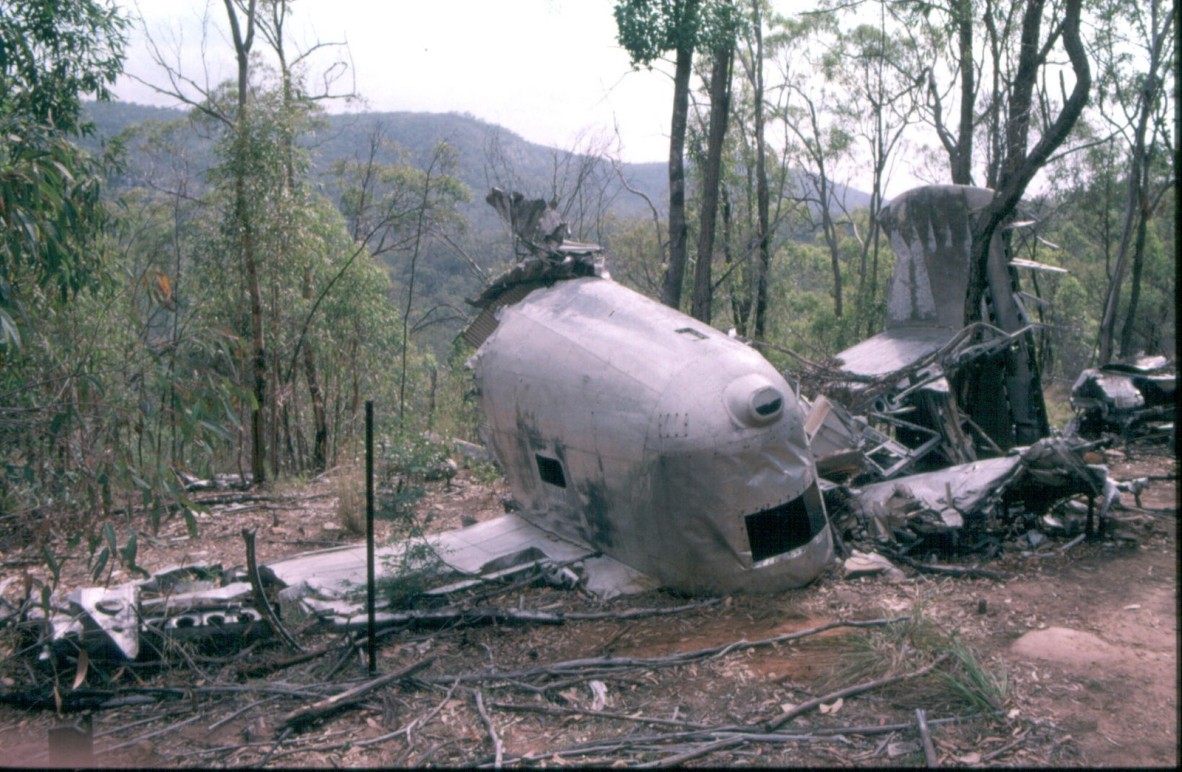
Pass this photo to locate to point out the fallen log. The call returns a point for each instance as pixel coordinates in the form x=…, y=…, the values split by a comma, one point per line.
x=939, y=568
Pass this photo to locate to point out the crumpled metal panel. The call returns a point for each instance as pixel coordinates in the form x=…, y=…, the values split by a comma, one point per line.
x=653, y=437
x=931, y=234
x=1108, y=391
x=966, y=495
x=930, y=230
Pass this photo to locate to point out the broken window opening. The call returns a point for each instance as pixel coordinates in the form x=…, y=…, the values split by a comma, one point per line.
x=769, y=408
x=779, y=529
x=550, y=470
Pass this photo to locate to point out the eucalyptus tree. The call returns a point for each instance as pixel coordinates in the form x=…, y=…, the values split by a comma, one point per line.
x=1134, y=46
x=719, y=86
x=647, y=30
x=257, y=117
x=1026, y=113
x=880, y=73
x=52, y=54
x=399, y=209
x=756, y=214
x=818, y=142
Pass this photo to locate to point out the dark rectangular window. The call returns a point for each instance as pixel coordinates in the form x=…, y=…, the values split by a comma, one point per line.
x=550, y=470
x=780, y=529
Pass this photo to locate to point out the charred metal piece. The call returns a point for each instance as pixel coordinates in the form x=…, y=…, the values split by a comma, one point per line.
x=966, y=502
x=963, y=383
x=1128, y=398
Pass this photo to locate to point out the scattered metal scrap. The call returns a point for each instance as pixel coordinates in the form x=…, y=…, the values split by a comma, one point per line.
x=973, y=506
x=1132, y=398
x=628, y=429
x=956, y=409
x=137, y=619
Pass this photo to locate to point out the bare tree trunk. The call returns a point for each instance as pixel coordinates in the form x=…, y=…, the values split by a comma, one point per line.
x=1027, y=414
x=962, y=159
x=762, y=197
x=1137, y=194
x=420, y=231
x=243, y=219
x=1126, y=334
x=1021, y=167
x=678, y=230
x=720, y=106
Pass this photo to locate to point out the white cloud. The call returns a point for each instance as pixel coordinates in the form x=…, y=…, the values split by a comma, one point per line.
x=549, y=70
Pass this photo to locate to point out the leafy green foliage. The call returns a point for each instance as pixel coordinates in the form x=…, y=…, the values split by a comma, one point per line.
x=648, y=28
x=54, y=51
x=51, y=52
x=963, y=681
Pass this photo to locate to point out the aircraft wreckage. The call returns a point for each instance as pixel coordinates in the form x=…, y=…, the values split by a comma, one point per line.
x=644, y=448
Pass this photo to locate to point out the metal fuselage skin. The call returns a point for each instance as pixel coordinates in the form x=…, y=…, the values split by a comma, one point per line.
x=653, y=437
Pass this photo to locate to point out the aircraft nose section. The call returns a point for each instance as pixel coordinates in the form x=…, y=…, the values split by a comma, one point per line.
x=753, y=400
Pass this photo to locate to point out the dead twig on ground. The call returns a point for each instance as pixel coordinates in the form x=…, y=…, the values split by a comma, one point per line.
x=264, y=668
x=555, y=710
x=939, y=568
x=850, y=691
x=155, y=733
x=450, y=616
x=925, y=735
x=605, y=666
x=1003, y=749
x=222, y=722
x=703, y=750
x=498, y=748
x=303, y=716
x=278, y=741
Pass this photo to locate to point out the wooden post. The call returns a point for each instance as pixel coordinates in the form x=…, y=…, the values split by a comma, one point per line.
x=370, y=589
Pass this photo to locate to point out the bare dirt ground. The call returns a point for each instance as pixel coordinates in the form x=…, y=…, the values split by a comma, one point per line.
x=1080, y=651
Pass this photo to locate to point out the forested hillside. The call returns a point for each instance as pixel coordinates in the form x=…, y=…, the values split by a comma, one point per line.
x=221, y=287
x=489, y=155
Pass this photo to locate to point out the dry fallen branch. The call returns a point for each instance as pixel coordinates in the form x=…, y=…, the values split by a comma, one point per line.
x=498, y=747
x=850, y=691
x=392, y=621
x=355, y=743
x=301, y=717
x=925, y=735
x=555, y=710
x=938, y=568
x=260, y=597
x=258, y=669
x=605, y=666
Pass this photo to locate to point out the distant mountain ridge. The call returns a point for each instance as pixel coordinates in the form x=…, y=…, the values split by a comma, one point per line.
x=524, y=165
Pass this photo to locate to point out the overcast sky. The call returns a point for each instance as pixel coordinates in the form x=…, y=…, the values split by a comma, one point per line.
x=548, y=70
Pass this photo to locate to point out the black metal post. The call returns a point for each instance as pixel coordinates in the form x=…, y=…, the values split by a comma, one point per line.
x=370, y=626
